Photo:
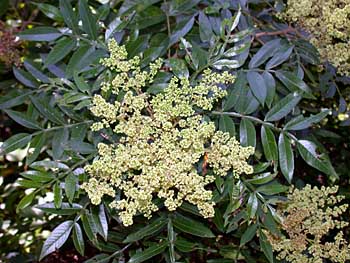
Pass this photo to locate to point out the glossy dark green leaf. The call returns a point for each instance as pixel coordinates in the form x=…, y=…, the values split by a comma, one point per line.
x=269, y=144
x=60, y=51
x=36, y=144
x=283, y=107
x=68, y=14
x=151, y=16
x=112, y=27
x=25, y=201
x=270, y=84
x=59, y=143
x=100, y=220
x=47, y=111
x=179, y=67
x=38, y=176
x=148, y=230
x=265, y=246
x=49, y=165
x=181, y=30
x=238, y=49
x=308, y=151
x=137, y=46
x=191, y=226
x=199, y=56
x=307, y=51
x=50, y=11
x=261, y=178
x=88, y=19
x=35, y=71
x=184, y=245
x=70, y=186
x=241, y=35
x=286, y=157
x=78, y=239
x=82, y=147
x=246, y=102
x=57, y=195
x=279, y=57
x=57, y=238
x=252, y=205
x=205, y=31
x=28, y=183
x=232, y=97
x=43, y=33
x=178, y=7
x=257, y=86
x=301, y=123
x=272, y=188
x=247, y=133
x=23, y=119
x=89, y=227
x=294, y=83
x=25, y=78
x=248, y=234
x=66, y=208
x=265, y=52
x=226, y=124
x=148, y=253
x=82, y=59
x=171, y=239
x=226, y=63
x=15, y=142
x=12, y=100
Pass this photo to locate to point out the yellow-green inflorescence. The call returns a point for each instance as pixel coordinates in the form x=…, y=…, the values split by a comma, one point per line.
x=161, y=141
x=308, y=219
x=329, y=23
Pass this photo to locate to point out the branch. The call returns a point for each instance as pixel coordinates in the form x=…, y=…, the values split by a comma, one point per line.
x=279, y=32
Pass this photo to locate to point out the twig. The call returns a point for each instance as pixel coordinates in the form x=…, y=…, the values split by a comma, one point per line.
x=275, y=33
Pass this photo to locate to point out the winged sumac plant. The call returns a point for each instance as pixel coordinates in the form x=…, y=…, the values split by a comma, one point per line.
x=167, y=131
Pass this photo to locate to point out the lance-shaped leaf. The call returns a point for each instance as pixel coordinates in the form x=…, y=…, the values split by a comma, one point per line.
x=286, y=157
x=191, y=226
x=247, y=133
x=265, y=52
x=148, y=230
x=269, y=144
x=257, y=86
x=43, y=33
x=15, y=142
x=301, y=123
x=23, y=119
x=88, y=19
x=57, y=238
x=78, y=239
x=60, y=50
x=148, y=253
x=283, y=107
x=226, y=124
x=307, y=150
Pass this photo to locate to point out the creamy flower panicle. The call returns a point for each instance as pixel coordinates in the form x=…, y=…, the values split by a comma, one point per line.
x=308, y=218
x=162, y=140
x=328, y=22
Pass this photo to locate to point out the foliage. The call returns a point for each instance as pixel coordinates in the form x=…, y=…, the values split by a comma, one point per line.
x=276, y=105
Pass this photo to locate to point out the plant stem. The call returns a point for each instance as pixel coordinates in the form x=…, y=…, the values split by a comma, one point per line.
x=256, y=120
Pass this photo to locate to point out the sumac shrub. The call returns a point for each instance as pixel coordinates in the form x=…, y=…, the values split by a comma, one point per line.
x=181, y=131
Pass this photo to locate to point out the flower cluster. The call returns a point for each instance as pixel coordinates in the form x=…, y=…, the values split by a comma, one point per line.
x=329, y=24
x=160, y=141
x=308, y=219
